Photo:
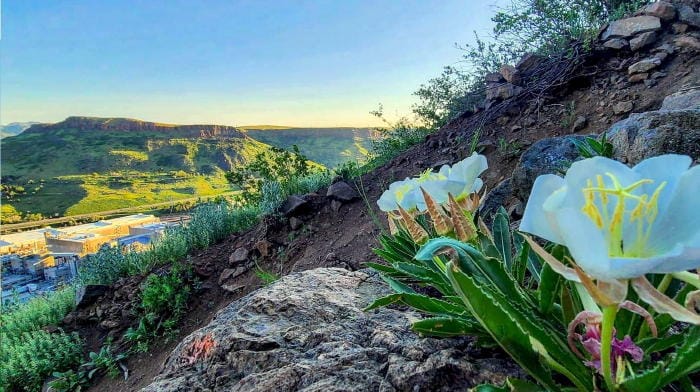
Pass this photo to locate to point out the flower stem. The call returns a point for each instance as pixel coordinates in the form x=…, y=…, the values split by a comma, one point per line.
x=665, y=282
x=609, y=313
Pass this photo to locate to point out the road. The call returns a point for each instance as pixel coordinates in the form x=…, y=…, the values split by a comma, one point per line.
x=11, y=228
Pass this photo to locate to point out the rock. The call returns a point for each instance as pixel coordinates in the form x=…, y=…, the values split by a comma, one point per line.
x=546, y=156
x=510, y=74
x=643, y=66
x=616, y=43
x=679, y=28
x=307, y=331
x=516, y=128
x=294, y=205
x=494, y=77
x=687, y=41
x=580, y=123
x=295, y=223
x=649, y=134
x=642, y=40
x=109, y=324
x=88, y=294
x=342, y=191
x=336, y=205
x=264, y=247
x=668, y=48
x=501, y=91
x=658, y=75
x=231, y=288
x=628, y=27
x=231, y=273
x=684, y=99
x=238, y=256
x=529, y=64
x=661, y=9
x=661, y=56
x=650, y=83
x=623, y=107
x=638, y=77
x=495, y=199
x=687, y=15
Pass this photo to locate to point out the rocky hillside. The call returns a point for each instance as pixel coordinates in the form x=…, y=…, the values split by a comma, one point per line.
x=640, y=84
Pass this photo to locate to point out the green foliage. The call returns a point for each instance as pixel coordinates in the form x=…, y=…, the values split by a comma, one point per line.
x=496, y=288
x=267, y=277
x=104, y=361
x=68, y=381
x=349, y=170
x=447, y=96
x=594, y=147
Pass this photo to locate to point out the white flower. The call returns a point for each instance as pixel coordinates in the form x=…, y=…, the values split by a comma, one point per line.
x=460, y=180
x=620, y=222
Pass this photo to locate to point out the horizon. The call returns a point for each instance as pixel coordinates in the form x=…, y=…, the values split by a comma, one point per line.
x=303, y=65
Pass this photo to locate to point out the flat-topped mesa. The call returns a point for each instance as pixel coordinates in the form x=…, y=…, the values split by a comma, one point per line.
x=91, y=124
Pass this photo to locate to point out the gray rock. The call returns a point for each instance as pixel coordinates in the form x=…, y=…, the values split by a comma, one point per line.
x=87, y=295
x=580, y=123
x=642, y=40
x=685, y=99
x=238, y=256
x=547, y=156
x=623, y=107
x=510, y=74
x=687, y=41
x=649, y=134
x=501, y=91
x=661, y=9
x=645, y=65
x=342, y=191
x=628, y=27
x=529, y=64
x=668, y=48
x=616, y=43
x=231, y=273
x=295, y=223
x=308, y=332
x=687, y=15
x=294, y=205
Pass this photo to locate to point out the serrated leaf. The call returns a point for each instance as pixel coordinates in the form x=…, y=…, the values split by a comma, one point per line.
x=502, y=237
x=396, y=285
x=447, y=327
x=548, y=289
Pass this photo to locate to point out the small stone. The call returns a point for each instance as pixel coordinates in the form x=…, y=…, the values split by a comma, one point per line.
x=342, y=191
x=668, y=48
x=580, y=123
x=293, y=205
x=109, y=324
x=660, y=9
x=238, y=256
x=661, y=56
x=501, y=91
x=643, y=66
x=615, y=43
x=642, y=40
x=638, y=77
x=529, y=63
x=231, y=273
x=510, y=74
x=658, y=75
x=679, y=28
x=503, y=120
x=687, y=41
x=516, y=128
x=650, y=83
x=335, y=205
x=628, y=27
x=688, y=16
x=264, y=247
x=295, y=223
x=623, y=107
x=232, y=288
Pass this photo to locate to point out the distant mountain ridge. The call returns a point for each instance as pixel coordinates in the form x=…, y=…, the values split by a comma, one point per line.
x=15, y=128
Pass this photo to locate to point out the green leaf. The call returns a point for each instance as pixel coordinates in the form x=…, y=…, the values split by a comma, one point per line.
x=447, y=327
x=512, y=323
x=383, y=268
x=397, y=286
x=653, y=345
x=684, y=361
x=383, y=301
x=438, y=280
x=548, y=289
x=502, y=237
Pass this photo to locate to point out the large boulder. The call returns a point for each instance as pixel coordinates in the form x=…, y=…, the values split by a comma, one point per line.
x=661, y=9
x=547, y=156
x=342, y=191
x=687, y=15
x=644, y=135
x=628, y=27
x=308, y=332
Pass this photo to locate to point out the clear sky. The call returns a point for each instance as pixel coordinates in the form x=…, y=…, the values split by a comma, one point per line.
x=235, y=62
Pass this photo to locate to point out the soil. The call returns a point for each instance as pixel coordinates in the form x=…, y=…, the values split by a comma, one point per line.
x=344, y=236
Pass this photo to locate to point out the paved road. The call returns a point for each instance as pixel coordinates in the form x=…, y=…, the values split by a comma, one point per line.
x=4, y=229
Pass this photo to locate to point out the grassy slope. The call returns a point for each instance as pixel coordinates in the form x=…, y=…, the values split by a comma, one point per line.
x=329, y=146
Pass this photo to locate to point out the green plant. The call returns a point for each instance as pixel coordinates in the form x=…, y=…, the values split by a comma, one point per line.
x=349, y=170
x=103, y=361
x=591, y=147
x=508, y=149
x=68, y=381
x=267, y=277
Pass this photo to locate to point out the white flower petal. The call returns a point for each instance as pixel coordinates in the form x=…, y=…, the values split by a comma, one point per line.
x=534, y=219
x=664, y=168
x=585, y=242
x=680, y=221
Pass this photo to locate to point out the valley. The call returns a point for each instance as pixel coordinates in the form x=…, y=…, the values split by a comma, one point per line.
x=86, y=165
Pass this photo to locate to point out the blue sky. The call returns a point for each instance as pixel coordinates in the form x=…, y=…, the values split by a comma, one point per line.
x=302, y=63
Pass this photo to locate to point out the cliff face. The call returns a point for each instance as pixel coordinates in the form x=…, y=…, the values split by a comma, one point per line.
x=92, y=124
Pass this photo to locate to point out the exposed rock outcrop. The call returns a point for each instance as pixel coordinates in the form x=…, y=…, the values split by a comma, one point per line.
x=308, y=332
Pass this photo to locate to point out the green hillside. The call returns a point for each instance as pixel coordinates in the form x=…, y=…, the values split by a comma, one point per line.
x=84, y=165
x=328, y=146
